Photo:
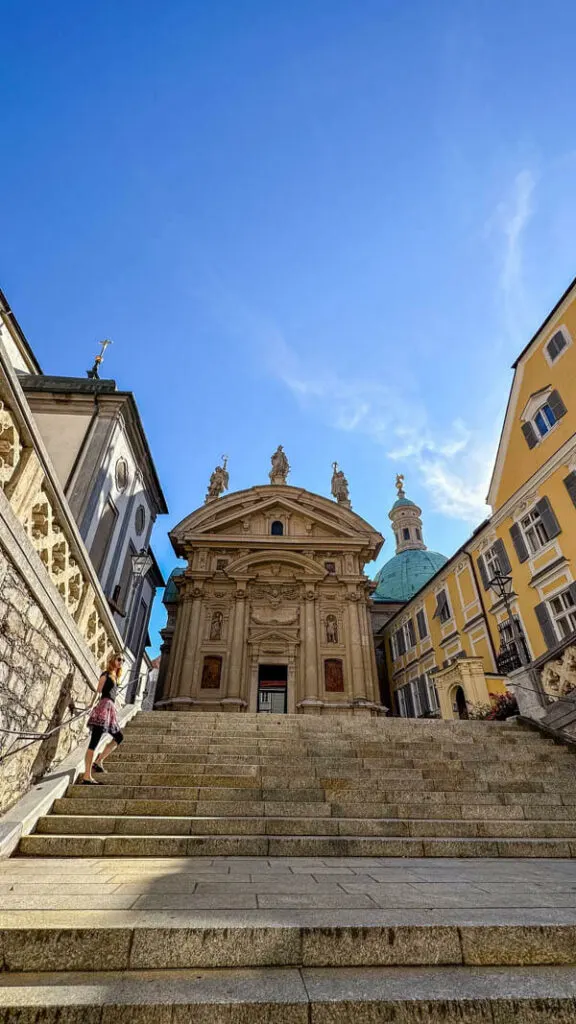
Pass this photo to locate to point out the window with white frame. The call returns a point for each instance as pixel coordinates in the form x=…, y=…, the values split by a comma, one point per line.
x=534, y=530
x=417, y=704
x=492, y=562
x=433, y=699
x=394, y=647
x=544, y=419
x=563, y=608
x=402, y=705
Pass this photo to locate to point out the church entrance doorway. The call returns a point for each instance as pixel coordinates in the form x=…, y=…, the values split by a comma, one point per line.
x=460, y=705
x=272, y=689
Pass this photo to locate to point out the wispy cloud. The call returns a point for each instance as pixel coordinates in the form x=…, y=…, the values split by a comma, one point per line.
x=453, y=464
x=510, y=220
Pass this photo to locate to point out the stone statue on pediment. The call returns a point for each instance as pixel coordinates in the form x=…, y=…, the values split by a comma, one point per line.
x=218, y=481
x=280, y=466
x=340, y=489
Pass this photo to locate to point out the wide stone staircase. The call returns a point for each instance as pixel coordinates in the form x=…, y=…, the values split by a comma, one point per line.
x=258, y=869
x=261, y=785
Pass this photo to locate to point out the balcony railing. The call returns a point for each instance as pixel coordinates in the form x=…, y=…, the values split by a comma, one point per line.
x=508, y=659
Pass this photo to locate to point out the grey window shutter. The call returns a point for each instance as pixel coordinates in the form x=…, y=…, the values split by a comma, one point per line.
x=400, y=643
x=519, y=542
x=409, y=702
x=557, y=405
x=423, y=694
x=555, y=345
x=411, y=633
x=551, y=524
x=570, y=485
x=502, y=555
x=440, y=602
x=530, y=435
x=483, y=572
x=572, y=591
x=421, y=620
x=546, y=624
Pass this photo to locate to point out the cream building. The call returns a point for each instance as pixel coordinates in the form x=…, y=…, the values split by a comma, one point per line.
x=272, y=610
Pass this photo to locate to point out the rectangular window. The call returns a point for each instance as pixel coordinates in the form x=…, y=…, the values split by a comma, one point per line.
x=103, y=536
x=416, y=703
x=211, y=673
x=534, y=531
x=563, y=608
x=400, y=641
x=333, y=675
x=492, y=562
x=555, y=346
x=442, y=607
x=393, y=647
x=544, y=419
x=422, y=624
x=406, y=533
x=401, y=699
x=433, y=699
x=410, y=634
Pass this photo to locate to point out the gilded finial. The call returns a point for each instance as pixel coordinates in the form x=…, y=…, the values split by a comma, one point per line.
x=93, y=373
x=400, y=485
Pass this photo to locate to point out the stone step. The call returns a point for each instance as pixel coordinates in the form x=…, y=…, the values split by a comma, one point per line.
x=135, y=772
x=145, y=756
x=90, y=800
x=408, y=995
x=291, y=995
x=61, y=941
x=287, y=846
x=94, y=824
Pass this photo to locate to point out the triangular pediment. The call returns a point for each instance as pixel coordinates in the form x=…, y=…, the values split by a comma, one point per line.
x=247, y=514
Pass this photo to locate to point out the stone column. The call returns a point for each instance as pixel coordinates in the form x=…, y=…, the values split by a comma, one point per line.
x=310, y=647
x=177, y=646
x=309, y=656
x=355, y=648
x=187, y=672
x=234, y=687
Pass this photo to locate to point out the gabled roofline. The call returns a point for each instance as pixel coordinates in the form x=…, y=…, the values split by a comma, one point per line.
x=545, y=323
x=103, y=388
x=496, y=471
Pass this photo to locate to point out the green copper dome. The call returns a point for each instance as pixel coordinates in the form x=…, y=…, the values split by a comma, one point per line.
x=406, y=573
x=403, y=501
x=171, y=591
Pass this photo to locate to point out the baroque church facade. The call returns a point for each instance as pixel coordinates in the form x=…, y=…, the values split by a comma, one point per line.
x=272, y=612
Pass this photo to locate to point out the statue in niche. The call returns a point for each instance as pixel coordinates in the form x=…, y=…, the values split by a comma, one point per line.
x=340, y=486
x=216, y=626
x=280, y=466
x=218, y=481
x=331, y=629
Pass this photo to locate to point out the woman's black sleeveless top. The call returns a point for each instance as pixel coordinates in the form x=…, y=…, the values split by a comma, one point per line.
x=110, y=688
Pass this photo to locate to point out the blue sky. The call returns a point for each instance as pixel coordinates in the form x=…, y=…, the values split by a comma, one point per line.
x=326, y=224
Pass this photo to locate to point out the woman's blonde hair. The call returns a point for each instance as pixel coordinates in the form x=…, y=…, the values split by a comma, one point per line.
x=111, y=665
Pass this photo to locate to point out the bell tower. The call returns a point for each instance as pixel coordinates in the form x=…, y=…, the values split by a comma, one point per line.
x=406, y=521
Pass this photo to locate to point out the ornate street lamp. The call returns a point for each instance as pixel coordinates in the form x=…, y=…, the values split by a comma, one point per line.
x=502, y=585
x=141, y=564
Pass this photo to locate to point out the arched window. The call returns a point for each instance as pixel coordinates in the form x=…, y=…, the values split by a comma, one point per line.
x=277, y=528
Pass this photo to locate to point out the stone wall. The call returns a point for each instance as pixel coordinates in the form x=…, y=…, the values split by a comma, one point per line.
x=56, y=630
x=40, y=686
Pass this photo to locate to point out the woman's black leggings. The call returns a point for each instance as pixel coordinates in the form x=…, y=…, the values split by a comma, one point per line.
x=97, y=734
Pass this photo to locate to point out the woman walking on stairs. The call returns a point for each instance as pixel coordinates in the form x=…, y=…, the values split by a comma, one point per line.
x=103, y=718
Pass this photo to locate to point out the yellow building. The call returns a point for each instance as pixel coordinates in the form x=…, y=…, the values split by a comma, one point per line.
x=452, y=644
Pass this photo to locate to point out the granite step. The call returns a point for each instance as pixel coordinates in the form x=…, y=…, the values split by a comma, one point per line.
x=291, y=995
x=288, y=846
x=63, y=941
x=123, y=824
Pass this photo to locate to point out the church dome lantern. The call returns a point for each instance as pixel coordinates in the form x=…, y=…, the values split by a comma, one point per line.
x=413, y=564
